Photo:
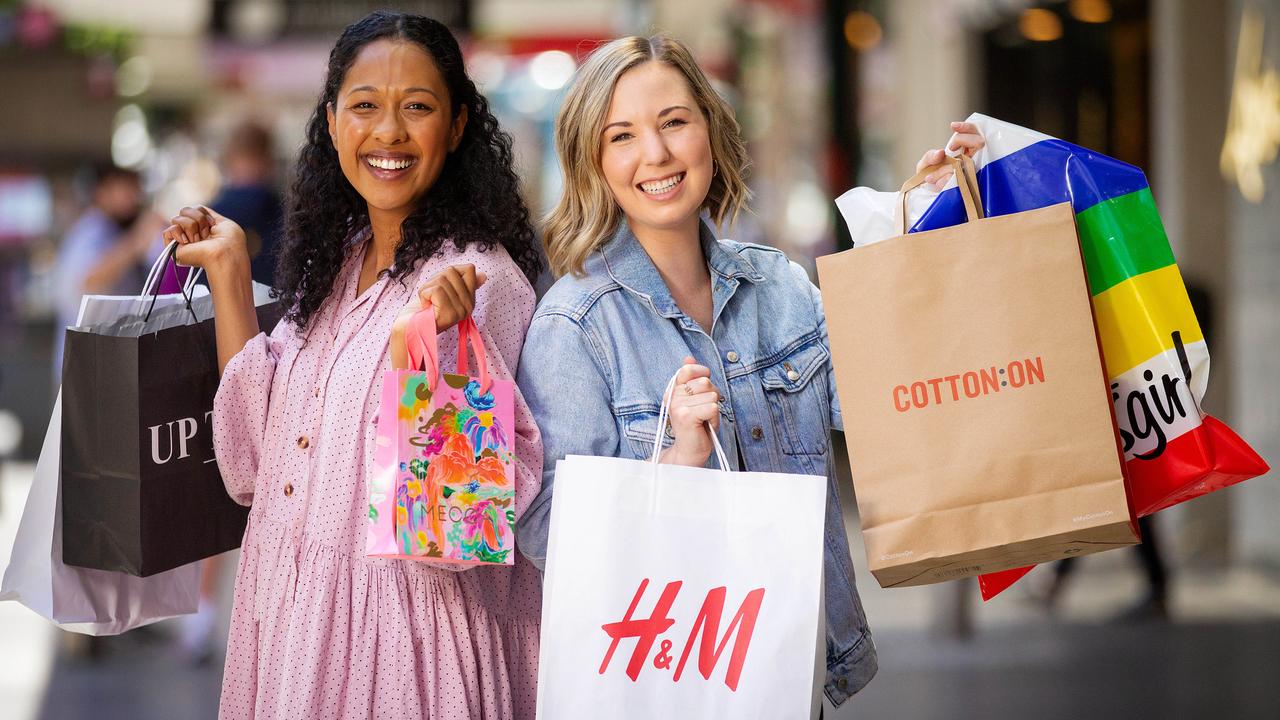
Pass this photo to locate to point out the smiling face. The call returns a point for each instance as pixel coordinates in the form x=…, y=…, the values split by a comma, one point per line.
x=655, y=150
x=392, y=126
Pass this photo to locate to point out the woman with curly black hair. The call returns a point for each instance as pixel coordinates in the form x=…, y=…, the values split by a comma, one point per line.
x=404, y=194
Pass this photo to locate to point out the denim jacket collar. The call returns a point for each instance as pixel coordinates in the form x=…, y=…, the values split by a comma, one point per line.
x=630, y=266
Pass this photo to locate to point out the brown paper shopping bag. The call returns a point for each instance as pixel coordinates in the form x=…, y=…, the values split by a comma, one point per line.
x=975, y=406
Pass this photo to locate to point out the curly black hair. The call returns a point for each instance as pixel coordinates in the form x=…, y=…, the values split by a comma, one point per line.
x=476, y=199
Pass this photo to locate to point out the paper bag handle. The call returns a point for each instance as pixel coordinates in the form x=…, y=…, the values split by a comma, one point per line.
x=422, y=344
x=966, y=180
x=664, y=411
x=151, y=286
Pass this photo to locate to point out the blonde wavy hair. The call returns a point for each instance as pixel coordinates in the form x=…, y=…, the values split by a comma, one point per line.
x=587, y=215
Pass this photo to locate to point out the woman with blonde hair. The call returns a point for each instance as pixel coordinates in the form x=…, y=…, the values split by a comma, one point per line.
x=646, y=146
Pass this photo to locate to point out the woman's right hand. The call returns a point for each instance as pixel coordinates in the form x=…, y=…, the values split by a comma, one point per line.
x=695, y=405
x=206, y=239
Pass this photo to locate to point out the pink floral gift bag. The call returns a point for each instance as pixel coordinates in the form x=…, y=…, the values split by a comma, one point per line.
x=442, y=487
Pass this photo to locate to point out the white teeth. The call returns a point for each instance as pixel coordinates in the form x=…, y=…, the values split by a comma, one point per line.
x=661, y=186
x=388, y=163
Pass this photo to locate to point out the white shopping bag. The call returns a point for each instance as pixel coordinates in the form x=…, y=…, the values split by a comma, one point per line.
x=679, y=592
x=93, y=602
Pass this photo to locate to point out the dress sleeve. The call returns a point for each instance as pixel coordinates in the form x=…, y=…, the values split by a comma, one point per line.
x=504, y=306
x=241, y=408
x=566, y=385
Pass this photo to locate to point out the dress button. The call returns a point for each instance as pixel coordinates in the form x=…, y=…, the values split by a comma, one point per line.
x=792, y=375
x=317, y=392
x=757, y=433
x=731, y=356
x=288, y=489
x=303, y=442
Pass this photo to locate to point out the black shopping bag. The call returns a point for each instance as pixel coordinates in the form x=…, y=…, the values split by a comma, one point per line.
x=141, y=491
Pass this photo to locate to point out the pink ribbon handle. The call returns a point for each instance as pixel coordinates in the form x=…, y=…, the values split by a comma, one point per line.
x=469, y=334
x=420, y=340
x=424, y=350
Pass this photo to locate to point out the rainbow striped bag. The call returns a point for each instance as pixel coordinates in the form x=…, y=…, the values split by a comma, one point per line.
x=1152, y=347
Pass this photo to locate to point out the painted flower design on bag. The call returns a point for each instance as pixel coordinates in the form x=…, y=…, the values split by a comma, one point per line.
x=454, y=498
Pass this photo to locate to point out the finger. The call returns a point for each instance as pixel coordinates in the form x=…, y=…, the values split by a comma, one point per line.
x=213, y=214
x=481, y=278
x=699, y=385
x=925, y=160
x=467, y=272
x=189, y=229
x=465, y=296
x=447, y=304
x=967, y=142
x=202, y=219
x=689, y=372
x=699, y=400
x=964, y=127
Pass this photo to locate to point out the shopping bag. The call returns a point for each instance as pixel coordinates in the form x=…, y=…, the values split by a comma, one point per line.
x=680, y=592
x=979, y=429
x=140, y=484
x=442, y=488
x=1156, y=358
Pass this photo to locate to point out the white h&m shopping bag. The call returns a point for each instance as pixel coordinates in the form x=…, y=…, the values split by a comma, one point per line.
x=679, y=592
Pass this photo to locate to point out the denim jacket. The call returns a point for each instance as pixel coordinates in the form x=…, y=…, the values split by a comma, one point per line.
x=620, y=336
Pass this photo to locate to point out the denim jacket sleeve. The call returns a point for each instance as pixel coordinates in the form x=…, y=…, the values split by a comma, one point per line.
x=563, y=379
x=837, y=420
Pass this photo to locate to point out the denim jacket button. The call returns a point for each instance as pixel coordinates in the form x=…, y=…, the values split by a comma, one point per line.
x=731, y=356
x=757, y=432
x=843, y=683
x=792, y=375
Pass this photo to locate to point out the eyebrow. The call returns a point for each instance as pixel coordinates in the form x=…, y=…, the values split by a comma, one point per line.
x=370, y=88
x=665, y=111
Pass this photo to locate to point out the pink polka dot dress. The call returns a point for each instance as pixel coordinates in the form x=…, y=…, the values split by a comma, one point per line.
x=319, y=630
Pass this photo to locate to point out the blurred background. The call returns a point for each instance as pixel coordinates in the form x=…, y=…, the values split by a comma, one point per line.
x=117, y=113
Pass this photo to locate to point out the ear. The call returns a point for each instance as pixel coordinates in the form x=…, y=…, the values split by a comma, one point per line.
x=332, y=121
x=459, y=125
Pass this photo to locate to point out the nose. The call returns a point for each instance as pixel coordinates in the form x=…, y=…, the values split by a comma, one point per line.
x=655, y=151
x=389, y=129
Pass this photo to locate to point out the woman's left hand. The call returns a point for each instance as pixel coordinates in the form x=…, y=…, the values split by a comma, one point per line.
x=451, y=294
x=966, y=138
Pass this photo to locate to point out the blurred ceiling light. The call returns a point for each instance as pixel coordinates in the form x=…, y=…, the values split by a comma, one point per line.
x=133, y=77
x=808, y=215
x=552, y=69
x=486, y=69
x=130, y=142
x=1040, y=25
x=257, y=21
x=1090, y=11
x=862, y=30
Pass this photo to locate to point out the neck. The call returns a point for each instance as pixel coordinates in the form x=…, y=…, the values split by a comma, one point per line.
x=386, y=236
x=677, y=254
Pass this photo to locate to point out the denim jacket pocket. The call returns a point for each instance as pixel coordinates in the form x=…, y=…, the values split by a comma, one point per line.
x=796, y=393
x=639, y=424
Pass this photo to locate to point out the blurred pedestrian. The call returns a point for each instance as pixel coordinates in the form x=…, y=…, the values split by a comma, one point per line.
x=106, y=251
x=249, y=195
